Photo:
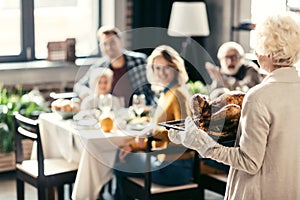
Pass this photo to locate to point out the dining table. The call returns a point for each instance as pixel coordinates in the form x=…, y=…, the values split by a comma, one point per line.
x=93, y=149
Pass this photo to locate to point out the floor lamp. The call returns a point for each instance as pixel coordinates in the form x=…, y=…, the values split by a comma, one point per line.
x=188, y=19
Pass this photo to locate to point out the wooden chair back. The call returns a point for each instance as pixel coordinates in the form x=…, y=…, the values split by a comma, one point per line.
x=27, y=128
x=43, y=174
x=146, y=189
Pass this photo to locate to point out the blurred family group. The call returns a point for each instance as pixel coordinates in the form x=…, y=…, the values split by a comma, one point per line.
x=264, y=136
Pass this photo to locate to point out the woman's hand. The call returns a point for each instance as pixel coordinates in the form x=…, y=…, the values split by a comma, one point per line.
x=124, y=151
x=140, y=142
x=192, y=137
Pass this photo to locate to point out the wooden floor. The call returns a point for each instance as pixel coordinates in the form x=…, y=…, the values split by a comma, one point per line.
x=8, y=189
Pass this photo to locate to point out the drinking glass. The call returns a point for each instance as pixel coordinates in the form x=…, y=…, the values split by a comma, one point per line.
x=105, y=103
x=138, y=104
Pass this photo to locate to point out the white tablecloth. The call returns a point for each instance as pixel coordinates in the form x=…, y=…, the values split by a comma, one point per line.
x=94, y=150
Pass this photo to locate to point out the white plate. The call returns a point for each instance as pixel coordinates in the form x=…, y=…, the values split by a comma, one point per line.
x=83, y=114
x=137, y=126
x=139, y=129
x=87, y=122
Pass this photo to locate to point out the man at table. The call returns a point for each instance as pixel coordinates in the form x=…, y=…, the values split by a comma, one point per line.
x=129, y=68
x=235, y=73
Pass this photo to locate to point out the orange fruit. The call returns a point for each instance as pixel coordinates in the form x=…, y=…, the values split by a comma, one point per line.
x=106, y=124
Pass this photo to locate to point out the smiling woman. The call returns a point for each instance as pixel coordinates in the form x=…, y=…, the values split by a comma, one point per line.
x=166, y=73
x=165, y=66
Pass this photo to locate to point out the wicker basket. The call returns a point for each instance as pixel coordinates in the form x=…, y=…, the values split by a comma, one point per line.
x=7, y=160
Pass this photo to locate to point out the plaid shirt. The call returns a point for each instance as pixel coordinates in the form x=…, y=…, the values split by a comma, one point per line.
x=136, y=69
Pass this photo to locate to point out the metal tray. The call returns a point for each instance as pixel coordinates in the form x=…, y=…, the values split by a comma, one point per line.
x=175, y=124
x=179, y=125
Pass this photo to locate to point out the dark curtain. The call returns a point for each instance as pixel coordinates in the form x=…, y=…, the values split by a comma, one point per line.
x=156, y=13
x=151, y=13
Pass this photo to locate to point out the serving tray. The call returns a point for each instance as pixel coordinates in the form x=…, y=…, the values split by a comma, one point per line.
x=179, y=125
x=175, y=124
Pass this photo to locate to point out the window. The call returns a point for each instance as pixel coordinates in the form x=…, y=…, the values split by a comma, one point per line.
x=27, y=26
x=293, y=5
x=10, y=27
x=259, y=11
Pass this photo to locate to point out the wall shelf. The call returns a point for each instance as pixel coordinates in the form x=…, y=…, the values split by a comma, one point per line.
x=237, y=28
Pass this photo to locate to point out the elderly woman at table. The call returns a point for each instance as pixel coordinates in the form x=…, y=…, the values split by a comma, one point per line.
x=166, y=73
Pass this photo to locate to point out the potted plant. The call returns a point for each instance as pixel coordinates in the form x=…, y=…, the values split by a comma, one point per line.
x=30, y=104
x=197, y=87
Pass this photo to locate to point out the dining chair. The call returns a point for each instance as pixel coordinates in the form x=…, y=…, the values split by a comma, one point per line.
x=213, y=180
x=41, y=173
x=144, y=189
x=63, y=95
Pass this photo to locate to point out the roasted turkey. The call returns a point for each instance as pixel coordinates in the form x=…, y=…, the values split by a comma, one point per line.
x=218, y=117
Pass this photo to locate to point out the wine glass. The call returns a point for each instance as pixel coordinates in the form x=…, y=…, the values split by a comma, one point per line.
x=105, y=103
x=138, y=104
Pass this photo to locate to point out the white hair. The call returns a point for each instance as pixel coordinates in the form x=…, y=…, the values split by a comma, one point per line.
x=225, y=47
x=279, y=36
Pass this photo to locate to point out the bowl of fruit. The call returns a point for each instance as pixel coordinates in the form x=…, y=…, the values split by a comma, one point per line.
x=66, y=108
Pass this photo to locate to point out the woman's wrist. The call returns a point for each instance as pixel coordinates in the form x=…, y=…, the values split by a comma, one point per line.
x=128, y=148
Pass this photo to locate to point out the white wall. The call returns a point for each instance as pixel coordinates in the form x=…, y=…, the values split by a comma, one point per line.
x=108, y=12
x=222, y=16
x=113, y=13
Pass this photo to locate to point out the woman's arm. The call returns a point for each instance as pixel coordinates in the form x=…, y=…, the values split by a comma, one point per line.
x=249, y=154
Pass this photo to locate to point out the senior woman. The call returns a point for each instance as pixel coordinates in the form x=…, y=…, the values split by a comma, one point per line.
x=166, y=73
x=265, y=160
